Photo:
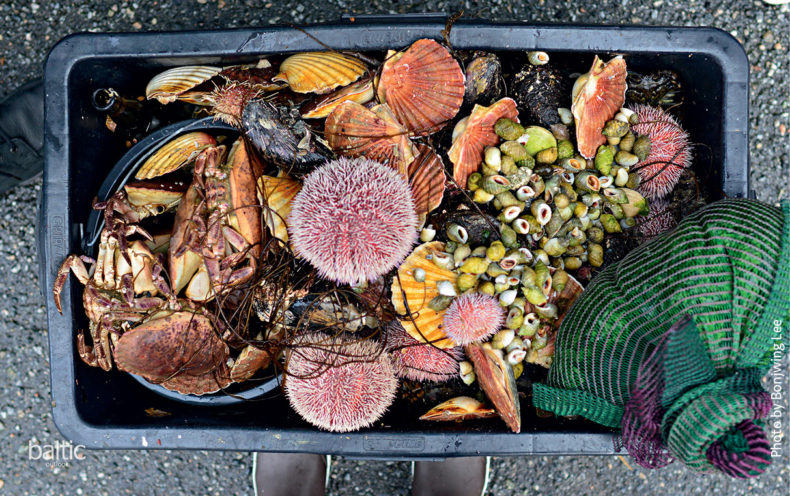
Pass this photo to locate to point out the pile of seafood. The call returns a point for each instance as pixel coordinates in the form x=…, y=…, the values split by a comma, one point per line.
x=378, y=224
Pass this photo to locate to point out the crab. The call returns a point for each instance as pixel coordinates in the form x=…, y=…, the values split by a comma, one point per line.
x=218, y=231
x=137, y=320
x=117, y=292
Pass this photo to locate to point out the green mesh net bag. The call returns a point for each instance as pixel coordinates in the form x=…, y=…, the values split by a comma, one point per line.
x=671, y=343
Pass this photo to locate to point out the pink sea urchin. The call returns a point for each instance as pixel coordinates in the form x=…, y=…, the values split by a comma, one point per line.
x=353, y=220
x=472, y=317
x=339, y=386
x=420, y=361
x=669, y=151
x=658, y=221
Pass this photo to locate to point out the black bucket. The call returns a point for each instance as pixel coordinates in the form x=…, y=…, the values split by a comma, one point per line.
x=108, y=410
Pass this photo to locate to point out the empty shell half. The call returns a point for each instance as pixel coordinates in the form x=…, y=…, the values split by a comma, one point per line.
x=319, y=72
x=175, y=154
x=424, y=86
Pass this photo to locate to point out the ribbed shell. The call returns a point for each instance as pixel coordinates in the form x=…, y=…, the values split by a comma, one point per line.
x=424, y=324
x=426, y=179
x=424, y=86
x=175, y=154
x=167, y=86
x=359, y=92
x=278, y=192
x=319, y=72
x=355, y=131
x=466, y=154
x=157, y=197
x=597, y=101
x=496, y=380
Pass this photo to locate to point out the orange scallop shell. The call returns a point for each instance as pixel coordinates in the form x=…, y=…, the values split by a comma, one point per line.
x=424, y=324
x=426, y=178
x=359, y=92
x=466, y=154
x=424, y=86
x=353, y=130
x=319, y=72
x=598, y=100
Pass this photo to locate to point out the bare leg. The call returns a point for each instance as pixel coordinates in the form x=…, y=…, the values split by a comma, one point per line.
x=289, y=474
x=452, y=477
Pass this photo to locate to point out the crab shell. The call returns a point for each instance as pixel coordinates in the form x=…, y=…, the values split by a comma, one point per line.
x=171, y=344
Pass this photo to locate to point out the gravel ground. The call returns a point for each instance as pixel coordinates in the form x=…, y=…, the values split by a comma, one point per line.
x=28, y=29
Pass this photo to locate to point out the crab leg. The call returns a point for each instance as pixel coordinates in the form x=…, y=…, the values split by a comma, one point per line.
x=75, y=264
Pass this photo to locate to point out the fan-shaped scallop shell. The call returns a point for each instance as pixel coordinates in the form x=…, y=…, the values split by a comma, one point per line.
x=278, y=192
x=597, y=100
x=477, y=133
x=170, y=85
x=426, y=179
x=175, y=154
x=359, y=92
x=424, y=86
x=319, y=72
x=422, y=323
x=353, y=130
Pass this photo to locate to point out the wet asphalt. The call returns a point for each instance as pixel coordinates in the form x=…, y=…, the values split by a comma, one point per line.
x=29, y=29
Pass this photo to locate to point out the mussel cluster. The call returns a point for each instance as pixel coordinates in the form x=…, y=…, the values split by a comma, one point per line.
x=334, y=219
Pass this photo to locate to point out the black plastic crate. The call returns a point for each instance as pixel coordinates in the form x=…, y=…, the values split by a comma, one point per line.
x=106, y=410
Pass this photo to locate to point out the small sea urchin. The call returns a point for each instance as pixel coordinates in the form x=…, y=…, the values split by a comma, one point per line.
x=339, y=386
x=670, y=152
x=473, y=317
x=420, y=361
x=658, y=221
x=353, y=220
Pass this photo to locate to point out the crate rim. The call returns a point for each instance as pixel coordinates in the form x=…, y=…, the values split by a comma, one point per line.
x=57, y=242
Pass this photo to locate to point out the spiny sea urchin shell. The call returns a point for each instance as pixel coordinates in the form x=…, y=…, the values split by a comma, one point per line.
x=658, y=221
x=353, y=220
x=339, y=386
x=420, y=361
x=473, y=317
x=670, y=152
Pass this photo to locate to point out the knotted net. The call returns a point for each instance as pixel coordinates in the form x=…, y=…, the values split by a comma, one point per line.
x=670, y=344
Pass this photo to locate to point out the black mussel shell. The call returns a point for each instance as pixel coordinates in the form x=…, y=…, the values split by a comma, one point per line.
x=658, y=89
x=484, y=83
x=539, y=91
x=281, y=137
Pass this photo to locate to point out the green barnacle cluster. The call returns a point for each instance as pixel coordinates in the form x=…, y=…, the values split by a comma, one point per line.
x=555, y=201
